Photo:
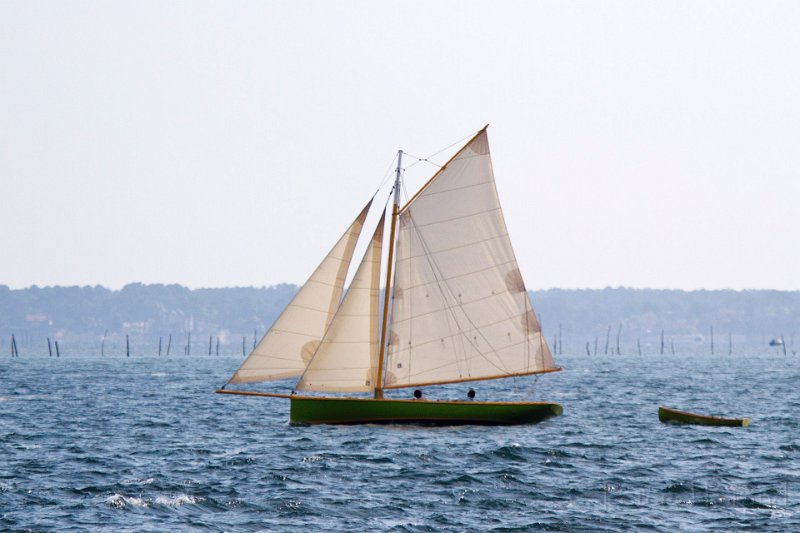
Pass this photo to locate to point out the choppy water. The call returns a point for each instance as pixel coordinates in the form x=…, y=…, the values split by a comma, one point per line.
x=143, y=444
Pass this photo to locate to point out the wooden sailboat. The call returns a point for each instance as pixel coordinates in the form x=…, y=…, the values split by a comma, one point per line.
x=668, y=415
x=455, y=310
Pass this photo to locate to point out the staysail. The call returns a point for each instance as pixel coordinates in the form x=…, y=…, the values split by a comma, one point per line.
x=347, y=358
x=460, y=310
x=293, y=339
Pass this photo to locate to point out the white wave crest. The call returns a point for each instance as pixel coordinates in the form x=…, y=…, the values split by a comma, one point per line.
x=138, y=481
x=120, y=501
x=176, y=501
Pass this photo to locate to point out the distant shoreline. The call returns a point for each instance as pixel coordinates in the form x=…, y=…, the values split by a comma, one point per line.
x=573, y=320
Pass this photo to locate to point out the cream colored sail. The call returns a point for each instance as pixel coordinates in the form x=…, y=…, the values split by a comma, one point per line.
x=460, y=310
x=290, y=343
x=347, y=358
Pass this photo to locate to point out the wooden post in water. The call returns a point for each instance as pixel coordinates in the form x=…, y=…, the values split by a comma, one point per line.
x=730, y=343
x=619, y=332
x=712, y=340
x=49, y=347
x=14, y=352
x=169, y=344
x=560, y=344
x=58, y=352
x=127, y=346
x=595, y=345
x=783, y=344
x=587, y=348
x=608, y=337
x=243, y=341
x=254, y=338
x=672, y=346
x=209, y=344
x=639, y=346
x=662, y=342
x=103, y=344
x=217, y=345
x=159, y=345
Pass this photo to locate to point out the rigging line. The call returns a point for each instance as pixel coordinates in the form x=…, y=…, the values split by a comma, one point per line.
x=388, y=197
x=450, y=308
x=404, y=191
x=421, y=160
x=388, y=173
x=461, y=333
x=531, y=389
x=428, y=159
x=389, y=352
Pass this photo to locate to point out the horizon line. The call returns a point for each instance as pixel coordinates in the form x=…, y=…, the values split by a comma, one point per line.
x=607, y=287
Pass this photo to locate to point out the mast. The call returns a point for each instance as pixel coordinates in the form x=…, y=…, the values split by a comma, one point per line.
x=389, y=264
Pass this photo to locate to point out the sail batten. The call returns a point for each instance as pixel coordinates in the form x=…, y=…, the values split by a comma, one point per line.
x=460, y=311
x=285, y=349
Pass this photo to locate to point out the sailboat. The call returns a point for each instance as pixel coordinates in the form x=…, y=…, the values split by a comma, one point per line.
x=455, y=309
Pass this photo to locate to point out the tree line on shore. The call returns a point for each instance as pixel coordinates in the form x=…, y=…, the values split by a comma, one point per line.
x=226, y=320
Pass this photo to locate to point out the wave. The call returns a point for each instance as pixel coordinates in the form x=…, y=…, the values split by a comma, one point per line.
x=121, y=501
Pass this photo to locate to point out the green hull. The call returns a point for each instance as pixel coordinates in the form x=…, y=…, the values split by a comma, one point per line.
x=310, y=410
x=666, y=415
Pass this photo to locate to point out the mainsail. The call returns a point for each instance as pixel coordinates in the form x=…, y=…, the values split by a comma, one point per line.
x=293, y=339
x=347, y=358
x=460, y=310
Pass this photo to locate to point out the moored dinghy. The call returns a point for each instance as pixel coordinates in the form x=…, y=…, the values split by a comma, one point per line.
x=667, y=415
x=455, y=310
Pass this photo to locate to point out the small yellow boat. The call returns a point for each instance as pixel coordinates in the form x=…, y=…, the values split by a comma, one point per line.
x=667, y=415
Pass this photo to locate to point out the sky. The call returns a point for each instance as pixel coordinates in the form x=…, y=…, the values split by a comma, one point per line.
x=647, y=144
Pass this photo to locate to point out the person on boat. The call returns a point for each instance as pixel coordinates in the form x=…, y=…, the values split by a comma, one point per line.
x=417, y=394
x=471, y=394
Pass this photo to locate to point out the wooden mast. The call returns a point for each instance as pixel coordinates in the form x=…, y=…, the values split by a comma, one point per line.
x=389, y=265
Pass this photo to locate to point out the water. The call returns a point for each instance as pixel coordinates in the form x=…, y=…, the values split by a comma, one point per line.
x=143, y=444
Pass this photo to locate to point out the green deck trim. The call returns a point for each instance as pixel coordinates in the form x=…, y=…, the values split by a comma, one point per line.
x=311, y=410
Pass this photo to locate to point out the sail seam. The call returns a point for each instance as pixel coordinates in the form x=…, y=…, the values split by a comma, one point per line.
x=456, y=335
x=453, y=219
x=470, y=273
x=445, y=289
x=461, y=188
x=462, y=304
x=307, y=308
x=290, y=332
x=461, y=247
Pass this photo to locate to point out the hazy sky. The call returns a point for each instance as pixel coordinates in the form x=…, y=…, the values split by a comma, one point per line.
x=635, y=143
